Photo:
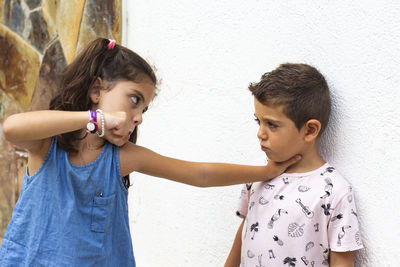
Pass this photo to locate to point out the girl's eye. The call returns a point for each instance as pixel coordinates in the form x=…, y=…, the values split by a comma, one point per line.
x=257, y=121
x=135, y=99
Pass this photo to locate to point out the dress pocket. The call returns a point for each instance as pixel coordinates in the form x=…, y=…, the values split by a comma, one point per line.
x=101, y=213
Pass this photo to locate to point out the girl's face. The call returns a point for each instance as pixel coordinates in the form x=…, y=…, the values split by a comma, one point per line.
x=133, y=99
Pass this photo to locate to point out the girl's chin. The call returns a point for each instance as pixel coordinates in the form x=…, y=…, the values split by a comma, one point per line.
x=118, y=142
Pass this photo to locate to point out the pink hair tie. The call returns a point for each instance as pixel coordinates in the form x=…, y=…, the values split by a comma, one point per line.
x=111, y=44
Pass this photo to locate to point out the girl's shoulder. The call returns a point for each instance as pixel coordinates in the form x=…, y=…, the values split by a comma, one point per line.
x=128, y=158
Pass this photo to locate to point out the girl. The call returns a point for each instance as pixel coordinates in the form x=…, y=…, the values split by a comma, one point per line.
x=72, y=210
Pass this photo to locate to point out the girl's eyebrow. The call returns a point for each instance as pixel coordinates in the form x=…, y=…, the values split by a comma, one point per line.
x=139, y=94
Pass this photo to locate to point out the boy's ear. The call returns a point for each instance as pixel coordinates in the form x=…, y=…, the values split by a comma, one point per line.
x=94, y=91
x=312, y=129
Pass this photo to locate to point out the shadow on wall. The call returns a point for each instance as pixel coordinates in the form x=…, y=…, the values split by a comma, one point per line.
x=38, y=38
x=328, y=148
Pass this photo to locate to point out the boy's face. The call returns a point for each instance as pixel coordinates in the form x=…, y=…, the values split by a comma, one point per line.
x=278, y=135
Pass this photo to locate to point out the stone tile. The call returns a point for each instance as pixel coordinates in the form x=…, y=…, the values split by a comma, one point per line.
x=53, y=64
x=100, y=20
x=51, y=8
x=1, y=11
x=38, y=35
x=14, y=15
x=68, y=24
x=19, y=67
x=8, y=106
x=7, y=191
x=33, y=3
x=12, y=170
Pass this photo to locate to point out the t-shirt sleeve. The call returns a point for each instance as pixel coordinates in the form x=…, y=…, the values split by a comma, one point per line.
x=343, y=228
x=243, y=201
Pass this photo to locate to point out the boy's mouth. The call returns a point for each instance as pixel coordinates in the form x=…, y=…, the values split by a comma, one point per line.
x=265, y=149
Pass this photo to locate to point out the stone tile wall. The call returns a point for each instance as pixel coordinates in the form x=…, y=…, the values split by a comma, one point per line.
x=38, y=38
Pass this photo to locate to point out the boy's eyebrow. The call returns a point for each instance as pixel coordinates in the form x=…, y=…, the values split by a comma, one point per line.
x=268, y=119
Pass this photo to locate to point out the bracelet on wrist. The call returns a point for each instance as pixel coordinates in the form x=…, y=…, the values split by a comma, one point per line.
x=91, y=126
x=101, y=118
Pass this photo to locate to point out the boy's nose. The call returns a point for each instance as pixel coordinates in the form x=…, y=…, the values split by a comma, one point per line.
x=261, y=134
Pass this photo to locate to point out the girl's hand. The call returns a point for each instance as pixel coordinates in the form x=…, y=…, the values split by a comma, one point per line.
x=118, y=127
x=276, y=168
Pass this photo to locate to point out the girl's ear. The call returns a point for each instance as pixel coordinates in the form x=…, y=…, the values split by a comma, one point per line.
x=94, y=91
x=312, y=129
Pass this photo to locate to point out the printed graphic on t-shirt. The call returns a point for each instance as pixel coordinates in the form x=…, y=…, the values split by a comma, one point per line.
x=297, y=219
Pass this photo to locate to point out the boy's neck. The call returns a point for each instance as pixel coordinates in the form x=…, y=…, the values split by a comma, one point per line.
x=311, y=160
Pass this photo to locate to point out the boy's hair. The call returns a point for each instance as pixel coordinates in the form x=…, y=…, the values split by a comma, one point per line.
x=96, y=61
x=300, y=88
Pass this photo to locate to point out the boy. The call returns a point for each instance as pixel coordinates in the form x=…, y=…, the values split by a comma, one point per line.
x=307, y=215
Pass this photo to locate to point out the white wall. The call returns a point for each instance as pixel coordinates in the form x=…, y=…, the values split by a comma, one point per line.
x=206, y=53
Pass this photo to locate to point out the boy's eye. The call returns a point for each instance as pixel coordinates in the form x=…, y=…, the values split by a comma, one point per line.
x=257, y=121
x=135, y=99
x=271, y=125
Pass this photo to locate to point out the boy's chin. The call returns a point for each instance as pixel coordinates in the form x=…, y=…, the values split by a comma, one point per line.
x=278, y=159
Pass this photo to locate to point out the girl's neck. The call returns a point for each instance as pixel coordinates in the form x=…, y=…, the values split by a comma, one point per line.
x=92, y=143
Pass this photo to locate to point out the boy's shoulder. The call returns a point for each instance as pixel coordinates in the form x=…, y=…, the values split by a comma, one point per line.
x=333, y=178
x=325, y=180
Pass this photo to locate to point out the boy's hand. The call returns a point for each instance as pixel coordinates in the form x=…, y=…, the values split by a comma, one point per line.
x=276, y=168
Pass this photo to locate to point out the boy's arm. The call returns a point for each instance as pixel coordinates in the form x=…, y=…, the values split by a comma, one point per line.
x=137, y=158
x=342, y=259
x=233, y=259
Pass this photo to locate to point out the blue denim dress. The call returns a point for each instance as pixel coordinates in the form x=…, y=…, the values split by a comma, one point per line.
x=60, y=221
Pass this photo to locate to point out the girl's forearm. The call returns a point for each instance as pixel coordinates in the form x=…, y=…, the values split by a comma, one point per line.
x=37, y=125
x=216, y=174
x=220, y=174
x=137, y=158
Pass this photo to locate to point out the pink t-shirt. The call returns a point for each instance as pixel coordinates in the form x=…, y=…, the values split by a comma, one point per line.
x=295, y=219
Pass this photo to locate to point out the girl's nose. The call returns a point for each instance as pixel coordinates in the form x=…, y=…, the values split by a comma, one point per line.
x=261, y=134
x=137, y=119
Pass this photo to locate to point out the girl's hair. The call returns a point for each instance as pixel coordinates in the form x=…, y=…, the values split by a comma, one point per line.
x=97, y=61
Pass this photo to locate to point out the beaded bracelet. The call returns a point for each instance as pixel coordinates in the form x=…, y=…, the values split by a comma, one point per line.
x=91, y=126
x=102, y=123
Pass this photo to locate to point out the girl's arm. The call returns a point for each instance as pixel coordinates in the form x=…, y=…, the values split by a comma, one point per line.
x=233, y=259
x=33, y=131
x=341, y=259
x=29, y=130
x=137, y=158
